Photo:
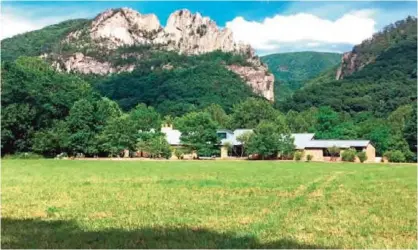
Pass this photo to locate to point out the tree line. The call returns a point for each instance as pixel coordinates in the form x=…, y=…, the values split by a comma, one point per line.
x=49, y=112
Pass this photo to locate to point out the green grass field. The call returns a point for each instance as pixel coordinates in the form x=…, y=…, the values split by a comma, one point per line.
x=207, y=204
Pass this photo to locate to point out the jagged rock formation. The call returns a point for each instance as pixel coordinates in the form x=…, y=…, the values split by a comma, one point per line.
x=349, y=65
x=185, y=32
x=88, y=65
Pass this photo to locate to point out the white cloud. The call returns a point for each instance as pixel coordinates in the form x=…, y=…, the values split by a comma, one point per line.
x=313, y=44
x=351, y=28
x=19, y=20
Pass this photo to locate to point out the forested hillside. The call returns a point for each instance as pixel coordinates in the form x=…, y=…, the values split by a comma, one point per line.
x=38, y=42
x=49, y=112
x=379, y=88
x=176, y=84
x=370, y=49
x=293, y=70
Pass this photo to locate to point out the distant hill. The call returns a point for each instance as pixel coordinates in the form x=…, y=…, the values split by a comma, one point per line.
x=293, y=70
x=385, y=82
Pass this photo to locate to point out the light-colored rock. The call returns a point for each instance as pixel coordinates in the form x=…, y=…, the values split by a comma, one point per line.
x=185, y=32
x=88, y=65
x=259, y=79
x=121, y=27
x=194, y=34
x=347, y=66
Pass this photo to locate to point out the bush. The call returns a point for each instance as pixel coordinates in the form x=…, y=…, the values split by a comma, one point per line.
x=362, y=156
x=298, y=156
x=24, y=155
x=309, y=157
x=179, y=153
x=334, y=152
x=349, y=155
x=395, y=156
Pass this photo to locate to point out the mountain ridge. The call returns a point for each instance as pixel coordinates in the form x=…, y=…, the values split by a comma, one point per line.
x=87, y=49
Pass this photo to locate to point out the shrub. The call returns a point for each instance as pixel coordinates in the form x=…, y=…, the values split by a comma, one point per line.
x=298, y=156
x=179, y=153
x=362, y=156
x=395, y=156
x=349, y=155
x=309, y=157
x=24, y=155
x=334, y=152
x=166, y=152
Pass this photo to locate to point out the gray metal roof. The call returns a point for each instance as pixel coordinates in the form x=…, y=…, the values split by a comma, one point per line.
x=301, y=140
x=336, y=143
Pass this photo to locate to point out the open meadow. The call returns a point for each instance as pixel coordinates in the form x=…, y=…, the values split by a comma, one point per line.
x=207, y=204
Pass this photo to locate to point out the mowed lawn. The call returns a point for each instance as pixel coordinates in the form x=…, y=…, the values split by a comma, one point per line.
x=207, y=204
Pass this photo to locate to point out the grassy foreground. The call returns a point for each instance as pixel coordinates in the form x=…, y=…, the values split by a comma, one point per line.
x=207, y=204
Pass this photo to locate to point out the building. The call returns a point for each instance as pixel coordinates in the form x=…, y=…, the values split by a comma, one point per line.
x=173, y=138
x=319, y=148
x=304, y=142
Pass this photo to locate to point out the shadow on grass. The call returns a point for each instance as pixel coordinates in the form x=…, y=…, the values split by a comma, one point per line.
x=35, y=233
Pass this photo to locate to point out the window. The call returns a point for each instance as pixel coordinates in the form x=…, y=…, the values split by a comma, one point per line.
x=222, y=135
x=359, y=149
x=326, y=153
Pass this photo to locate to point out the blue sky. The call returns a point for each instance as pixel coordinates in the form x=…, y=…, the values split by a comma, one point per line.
x=269, y=26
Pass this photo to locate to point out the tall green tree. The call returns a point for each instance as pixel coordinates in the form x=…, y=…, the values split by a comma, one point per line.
x=249, y=113
x=218, y=114
x=198, y=132
x=33, y=96
x=81, y=126
x=269, y=140
x=244, y=138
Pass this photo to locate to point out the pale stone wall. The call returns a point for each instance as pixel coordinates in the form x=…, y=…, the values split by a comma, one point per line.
x=370, y=152
x=189, y=156
x=224, y=152
x=316, y=153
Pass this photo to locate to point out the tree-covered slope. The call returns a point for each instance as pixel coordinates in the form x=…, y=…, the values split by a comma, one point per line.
x=367, y=52
x=293, y=70
x=176, y=84
x=380, y=87
x=37, y=42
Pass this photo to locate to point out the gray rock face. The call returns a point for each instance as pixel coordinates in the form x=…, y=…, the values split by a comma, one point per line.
x=259, y=79
x=88, y=65
x=194, y=34
x=348, y=65
x=185, y=32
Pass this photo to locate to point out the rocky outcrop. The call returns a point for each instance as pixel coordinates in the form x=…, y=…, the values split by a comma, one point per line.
x=88, y=65
x=194, y=34
x=185, y=32
x=349, y=65
x=259, y=79
x=123, y=27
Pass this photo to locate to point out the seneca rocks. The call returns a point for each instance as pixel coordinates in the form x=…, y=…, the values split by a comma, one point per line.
x=185, y=32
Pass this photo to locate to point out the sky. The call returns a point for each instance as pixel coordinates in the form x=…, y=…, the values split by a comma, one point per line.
x=268, y=26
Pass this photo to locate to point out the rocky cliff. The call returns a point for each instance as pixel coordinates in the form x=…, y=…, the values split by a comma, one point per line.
x=185, y=32
x=350, y=63
x=367, y=52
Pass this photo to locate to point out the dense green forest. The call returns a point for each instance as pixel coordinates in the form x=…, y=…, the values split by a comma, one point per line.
x=293, y=70
x=379, y=88
x=193, y=82
x=50, y=112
